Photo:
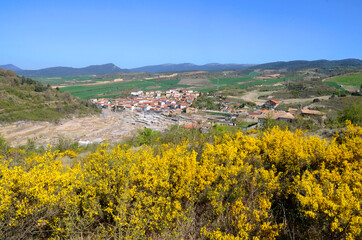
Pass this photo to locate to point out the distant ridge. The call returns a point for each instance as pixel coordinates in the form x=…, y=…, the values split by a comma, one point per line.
x=189, y=67
x=69, y=71
x=111, y=68
x=182, y=67
x=301, y=64
x=10, y=67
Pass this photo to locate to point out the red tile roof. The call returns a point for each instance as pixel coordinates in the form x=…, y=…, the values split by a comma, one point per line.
x=191, y=125
x=272, y=100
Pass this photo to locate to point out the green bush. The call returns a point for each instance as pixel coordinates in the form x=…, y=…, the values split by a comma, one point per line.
x=352, y=113
x=4, y=145
x=146, y=136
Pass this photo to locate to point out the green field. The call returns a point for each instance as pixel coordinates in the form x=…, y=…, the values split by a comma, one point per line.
x=246, y=81
x=334, y=84
x=349, y=80
x=111, y=90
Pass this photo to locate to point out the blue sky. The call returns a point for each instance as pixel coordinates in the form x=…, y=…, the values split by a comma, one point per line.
x=37, y=34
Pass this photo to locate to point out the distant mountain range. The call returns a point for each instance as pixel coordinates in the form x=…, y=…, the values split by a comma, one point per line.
x=300, y=64
x=189, y=67
x=111, y=68
x=69, y=71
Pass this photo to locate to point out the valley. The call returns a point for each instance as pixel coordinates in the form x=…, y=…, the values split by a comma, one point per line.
x=235, y=97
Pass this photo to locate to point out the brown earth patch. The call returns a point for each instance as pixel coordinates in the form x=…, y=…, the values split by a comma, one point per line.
x=194, y=81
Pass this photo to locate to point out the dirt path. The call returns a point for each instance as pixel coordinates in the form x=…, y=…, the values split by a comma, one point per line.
x=253, y=97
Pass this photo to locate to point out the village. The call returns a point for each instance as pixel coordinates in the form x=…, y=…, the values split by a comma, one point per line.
x=157, y=109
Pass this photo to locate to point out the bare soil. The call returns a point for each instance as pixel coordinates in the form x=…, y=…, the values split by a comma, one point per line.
x=195, y=81
x=253, y=96
x=109, y=126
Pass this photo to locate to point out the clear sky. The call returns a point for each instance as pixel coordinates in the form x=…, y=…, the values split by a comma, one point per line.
x=37, y=34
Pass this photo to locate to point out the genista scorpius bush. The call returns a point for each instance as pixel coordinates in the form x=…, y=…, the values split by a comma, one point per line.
x=276, y=185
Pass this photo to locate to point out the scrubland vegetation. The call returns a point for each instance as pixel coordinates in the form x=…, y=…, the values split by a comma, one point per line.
x=271, y=184
x=26, y=99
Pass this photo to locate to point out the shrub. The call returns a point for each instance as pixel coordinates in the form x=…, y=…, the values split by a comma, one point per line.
x=4, y=145
x=276, y=185
x=352, y=113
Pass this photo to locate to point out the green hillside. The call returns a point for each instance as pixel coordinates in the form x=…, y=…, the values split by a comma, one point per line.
x=347, y=80
x=26, y=99
x=300, y=64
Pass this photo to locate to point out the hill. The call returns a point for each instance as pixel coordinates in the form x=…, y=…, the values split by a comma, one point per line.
x=10, y=67
x=189, y=67
x=110, y=68
x=27, y=99
x=69, y=71
x=300, y=64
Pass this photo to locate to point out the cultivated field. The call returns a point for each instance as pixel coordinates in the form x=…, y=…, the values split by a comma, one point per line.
x=349, y=81
x=112, y=90
x=250, y=81
x=202, y=82
x=92, y=86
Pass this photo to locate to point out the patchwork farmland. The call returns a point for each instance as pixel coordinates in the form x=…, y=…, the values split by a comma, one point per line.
x=110, y=88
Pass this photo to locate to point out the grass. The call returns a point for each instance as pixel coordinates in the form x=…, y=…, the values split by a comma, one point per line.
x=218, y=113
x=254, y=74
x=334, y=84
x=106, y=90
x=228, y=81
x=348, y=80
x=268, y=88
x=245, y=124
x=247, y=81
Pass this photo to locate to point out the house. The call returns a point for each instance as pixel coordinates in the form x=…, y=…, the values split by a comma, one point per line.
x=280, y=116
x=139, y=93
x=192, y=125
x=183, y=105
x=190, y=110
x=307, y=112
x=271, y=104
x=293, y=110
x=129, y=107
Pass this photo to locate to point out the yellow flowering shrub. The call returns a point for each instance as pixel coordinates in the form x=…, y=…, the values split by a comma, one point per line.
x=332, y=200
x=33, y=192
x=277, y=185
